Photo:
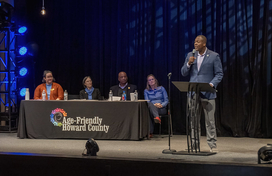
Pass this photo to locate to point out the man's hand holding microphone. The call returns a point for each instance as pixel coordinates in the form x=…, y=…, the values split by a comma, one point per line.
x=192, y=58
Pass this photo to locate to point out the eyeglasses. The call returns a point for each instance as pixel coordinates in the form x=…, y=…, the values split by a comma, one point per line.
x=151, y=79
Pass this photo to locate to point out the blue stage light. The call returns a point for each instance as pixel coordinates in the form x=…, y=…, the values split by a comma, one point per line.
x=22, y=50
x=23, y=71
x=22, y=29
x=23, y=92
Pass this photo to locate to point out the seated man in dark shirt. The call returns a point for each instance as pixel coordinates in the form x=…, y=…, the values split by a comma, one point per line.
x=117, y=90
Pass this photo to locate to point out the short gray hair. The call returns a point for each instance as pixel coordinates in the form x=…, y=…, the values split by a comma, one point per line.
x=84, y=79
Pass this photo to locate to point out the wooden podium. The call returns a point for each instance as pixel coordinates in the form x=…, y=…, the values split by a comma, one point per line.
x=193, y=114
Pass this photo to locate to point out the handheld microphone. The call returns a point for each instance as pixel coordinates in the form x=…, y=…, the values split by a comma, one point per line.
x=193, y=52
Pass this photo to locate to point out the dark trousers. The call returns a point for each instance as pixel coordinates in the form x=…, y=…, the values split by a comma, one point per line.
x=154, y=112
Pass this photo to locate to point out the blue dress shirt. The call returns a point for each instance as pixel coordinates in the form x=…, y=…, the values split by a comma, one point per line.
x=158, y=95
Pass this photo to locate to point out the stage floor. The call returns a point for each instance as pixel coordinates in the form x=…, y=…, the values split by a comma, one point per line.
x=230, y=150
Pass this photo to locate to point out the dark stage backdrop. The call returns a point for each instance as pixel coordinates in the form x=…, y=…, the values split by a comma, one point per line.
x=100, y=38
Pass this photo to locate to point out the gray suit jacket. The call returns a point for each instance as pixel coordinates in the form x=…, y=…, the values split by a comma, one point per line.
x=210, y=71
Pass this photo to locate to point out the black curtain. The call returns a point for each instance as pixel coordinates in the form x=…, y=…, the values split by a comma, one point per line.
x=100, y=38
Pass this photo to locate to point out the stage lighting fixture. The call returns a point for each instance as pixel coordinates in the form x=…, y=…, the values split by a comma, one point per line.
x=22, y=50
x=91, y=147
x=22, y=30
x=23, y=92
x=43, y=8
x=265, y=153
x=23, y=71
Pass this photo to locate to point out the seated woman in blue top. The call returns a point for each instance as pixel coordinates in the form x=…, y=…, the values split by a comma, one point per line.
x=158, y=100
x=89, y=93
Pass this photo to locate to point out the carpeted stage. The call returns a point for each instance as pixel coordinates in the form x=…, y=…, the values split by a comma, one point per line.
x=236, y=156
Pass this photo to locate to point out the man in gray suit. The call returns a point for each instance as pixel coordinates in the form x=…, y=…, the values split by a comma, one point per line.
x=206, y=67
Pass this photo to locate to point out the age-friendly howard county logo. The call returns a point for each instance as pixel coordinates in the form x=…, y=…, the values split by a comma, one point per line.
x=56, y=116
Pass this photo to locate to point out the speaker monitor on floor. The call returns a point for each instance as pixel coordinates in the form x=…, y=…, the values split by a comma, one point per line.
x=92, y=148
x=265, y=153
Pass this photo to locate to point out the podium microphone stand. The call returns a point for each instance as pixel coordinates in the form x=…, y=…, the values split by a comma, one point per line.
x=170, y=130
x=193, y=113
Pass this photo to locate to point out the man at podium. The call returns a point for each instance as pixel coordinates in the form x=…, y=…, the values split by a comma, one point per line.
x=204, y=66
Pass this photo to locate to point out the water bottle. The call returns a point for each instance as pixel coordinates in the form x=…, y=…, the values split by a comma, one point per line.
x=65, y=95
x=27, y=94
x=135, y=95
x=124, y=96
x=43, y=95
x=110, y=96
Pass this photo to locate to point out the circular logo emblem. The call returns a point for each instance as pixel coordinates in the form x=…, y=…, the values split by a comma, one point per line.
x=56, y=116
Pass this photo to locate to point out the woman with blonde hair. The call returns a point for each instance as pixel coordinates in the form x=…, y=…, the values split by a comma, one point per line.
x=158, y=100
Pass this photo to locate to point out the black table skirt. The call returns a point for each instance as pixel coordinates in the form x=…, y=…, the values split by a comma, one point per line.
x=83, y=119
